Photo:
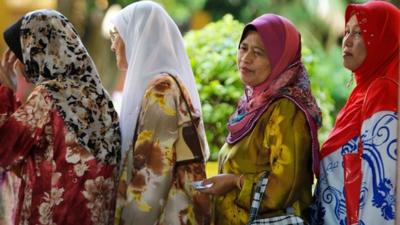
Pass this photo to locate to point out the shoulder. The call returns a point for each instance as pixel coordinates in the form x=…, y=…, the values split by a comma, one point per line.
x=380, y=96
x=382, y=86
x=284, y=106
x=165, y=84
x=284, y=102
x=40, y=94
x=162, y=83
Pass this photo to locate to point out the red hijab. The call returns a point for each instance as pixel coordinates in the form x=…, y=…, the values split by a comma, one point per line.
x=379, y=22
x=288, y=79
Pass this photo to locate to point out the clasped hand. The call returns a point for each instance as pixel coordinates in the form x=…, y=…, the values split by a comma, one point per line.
x=8, y=68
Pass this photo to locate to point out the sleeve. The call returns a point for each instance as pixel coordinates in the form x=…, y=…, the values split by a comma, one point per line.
x=23, y=128
x=188, y=173
x=288, y=139
x=148, y=171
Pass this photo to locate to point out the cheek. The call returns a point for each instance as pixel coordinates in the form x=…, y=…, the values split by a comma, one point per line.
x=121, y=59
x=238, y=56
x=265, y=69
x=361, y=52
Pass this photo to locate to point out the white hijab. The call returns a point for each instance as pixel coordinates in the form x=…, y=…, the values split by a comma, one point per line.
x=153, y=45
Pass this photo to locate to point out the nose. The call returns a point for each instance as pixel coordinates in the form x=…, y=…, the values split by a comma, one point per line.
x=247, y=57
x=112, y=47
x=348, y=40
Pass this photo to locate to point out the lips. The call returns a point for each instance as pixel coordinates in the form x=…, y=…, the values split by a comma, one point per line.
x=244, y=69
x=346, y=53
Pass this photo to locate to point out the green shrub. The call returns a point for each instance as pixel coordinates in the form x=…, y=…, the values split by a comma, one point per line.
x=212, y=52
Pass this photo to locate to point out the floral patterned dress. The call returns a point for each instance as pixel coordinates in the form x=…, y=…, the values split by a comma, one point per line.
x=155, y=187
x=62, y=182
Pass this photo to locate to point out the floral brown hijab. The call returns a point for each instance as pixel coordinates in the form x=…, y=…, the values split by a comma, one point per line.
x=55, y=58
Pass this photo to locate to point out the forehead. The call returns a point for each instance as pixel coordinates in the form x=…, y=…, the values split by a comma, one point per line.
x=352, y=21
x=252, y=37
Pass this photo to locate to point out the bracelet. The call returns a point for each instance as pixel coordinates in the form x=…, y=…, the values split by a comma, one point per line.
x=239, y=183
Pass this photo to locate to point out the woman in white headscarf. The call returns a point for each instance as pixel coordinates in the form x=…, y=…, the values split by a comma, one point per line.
x=164, y=148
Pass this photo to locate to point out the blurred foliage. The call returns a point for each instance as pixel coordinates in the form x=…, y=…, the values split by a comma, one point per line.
x=180, y=10
x=212, y=51
x=246, y=10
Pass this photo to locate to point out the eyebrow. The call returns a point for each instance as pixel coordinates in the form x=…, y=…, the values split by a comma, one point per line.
x=255, y=47
x=258, y=48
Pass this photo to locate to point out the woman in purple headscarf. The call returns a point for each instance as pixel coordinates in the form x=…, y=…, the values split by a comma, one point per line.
x=273, y=130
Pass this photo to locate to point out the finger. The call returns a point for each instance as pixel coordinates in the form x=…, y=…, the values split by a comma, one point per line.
x=11, y=58
x=206, y=190
x=17, y=68
x=208, y=181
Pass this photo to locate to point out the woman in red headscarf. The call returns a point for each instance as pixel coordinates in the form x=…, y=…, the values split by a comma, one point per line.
x=272, y=131
x=358, y=160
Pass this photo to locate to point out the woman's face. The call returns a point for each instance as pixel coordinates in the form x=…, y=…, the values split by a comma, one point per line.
x=252, y=60
x=354, y=51
x=118, y=47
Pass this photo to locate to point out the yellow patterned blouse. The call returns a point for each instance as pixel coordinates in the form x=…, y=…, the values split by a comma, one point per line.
x=280, y=144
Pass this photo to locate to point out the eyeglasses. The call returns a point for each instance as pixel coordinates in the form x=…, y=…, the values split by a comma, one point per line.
x=113, y=34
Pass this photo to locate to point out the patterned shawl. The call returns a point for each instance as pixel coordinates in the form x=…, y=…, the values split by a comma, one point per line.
x=55, y=58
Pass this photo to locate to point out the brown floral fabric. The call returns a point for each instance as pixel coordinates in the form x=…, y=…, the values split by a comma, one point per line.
x=154, y=188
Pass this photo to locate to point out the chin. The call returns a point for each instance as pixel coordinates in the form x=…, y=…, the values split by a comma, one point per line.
x=122, y=68
x=245, y=80
x=348, y=66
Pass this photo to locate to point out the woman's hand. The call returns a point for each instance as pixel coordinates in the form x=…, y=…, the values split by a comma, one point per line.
x=222, y=184
x=7, y=73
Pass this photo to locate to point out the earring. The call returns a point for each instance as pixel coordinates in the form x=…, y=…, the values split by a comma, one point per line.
x=350, y=82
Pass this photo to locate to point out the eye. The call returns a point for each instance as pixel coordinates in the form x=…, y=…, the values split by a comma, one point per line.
x=357, y=33
x=243, y=47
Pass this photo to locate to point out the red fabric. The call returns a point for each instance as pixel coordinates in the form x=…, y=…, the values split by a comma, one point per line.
x=8, y=103
x=62, y=182
x=352, y=179
x=376, y=90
